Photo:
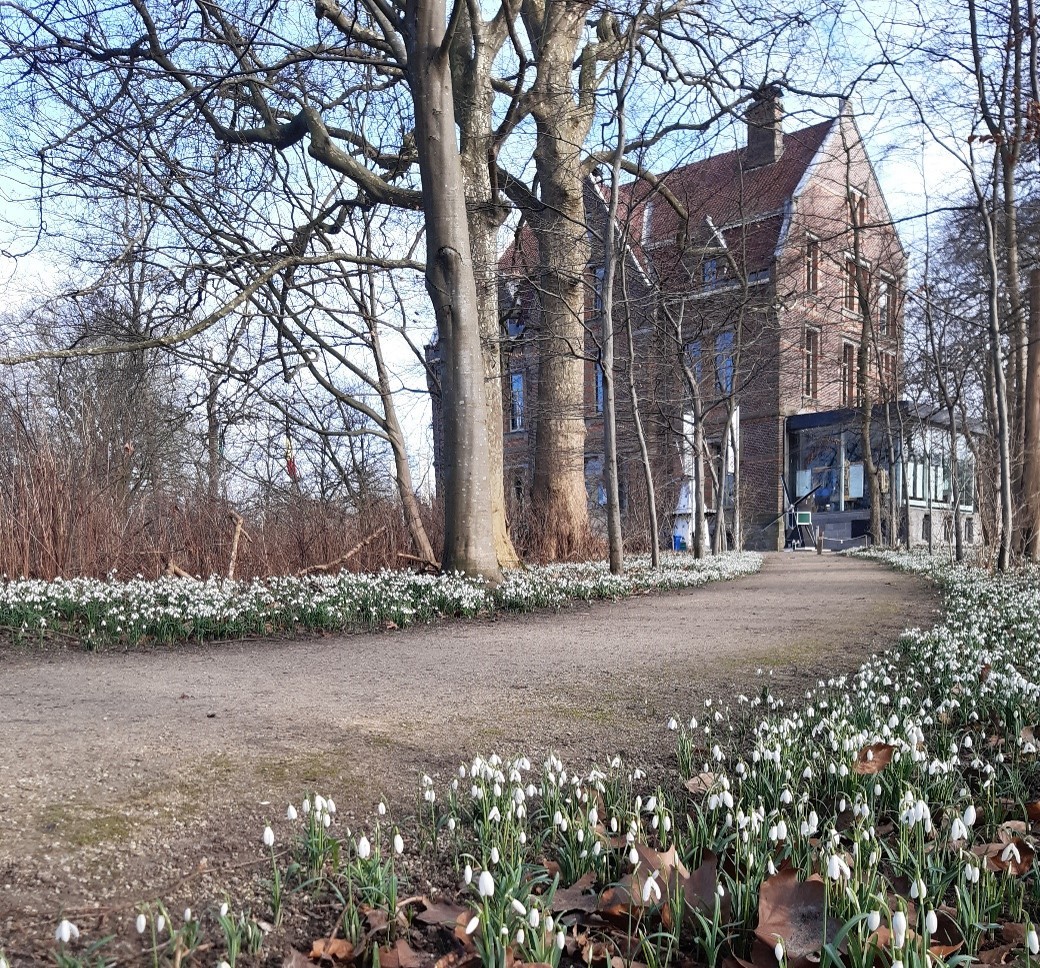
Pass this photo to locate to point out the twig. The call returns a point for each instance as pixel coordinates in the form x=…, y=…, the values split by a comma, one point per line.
x=239, y=532
x=176, y=570
x=425, y=562
x=342, y=559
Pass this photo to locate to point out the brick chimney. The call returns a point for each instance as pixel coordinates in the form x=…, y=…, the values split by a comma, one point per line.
x=765, y=141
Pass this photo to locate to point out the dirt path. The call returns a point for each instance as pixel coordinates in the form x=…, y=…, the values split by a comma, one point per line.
x=118, y=771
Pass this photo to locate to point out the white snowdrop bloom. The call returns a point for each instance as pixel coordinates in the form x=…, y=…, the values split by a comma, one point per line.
x=141, y=923
x=66, y=931
x=268, y=837
x=778, y=950
x=319, y=803
x=381, y=809
x=533, y=918
x=291, y=813
x=495, y=816
x=520, y=935
x=523, y=837
x=223, y=909
x=837, y=868
x=452, y=823
x=494, y=855
x=560, y=940
x=549, y=924
x=918, y=890
x=330, y=805
x=160, y=924
x=326, y=820
x=898, y=929
x=1032, y=941
x=931, y=922
x=474, y=923
x=398, y=844
x=486, y=884
x=873, y=921
x=364, y=848
x=957, y=830
x=727, y=799
x=672, y=724
x=633, y=857
x=667, y=823
x=223, y=964
x=518, y=907
x=771, y=867
x=720, y=890
x=1010, y=853
x=467, y=875
x=969, y=815
x=651, y=887
x=187, y=915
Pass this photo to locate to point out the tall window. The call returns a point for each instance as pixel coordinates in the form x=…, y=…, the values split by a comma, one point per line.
x=711, y=272
x=812, y=264
x=724, y=362
x=857, y=210
x=599, y=387
x=888, y=373
x=848, y=374
x=516, y=401
x=693, y=357
x=600, y=274
x=857, y=281
x=812, y=362
x=884, y=306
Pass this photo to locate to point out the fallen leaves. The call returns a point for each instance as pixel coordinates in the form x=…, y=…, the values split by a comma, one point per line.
x=873, y=758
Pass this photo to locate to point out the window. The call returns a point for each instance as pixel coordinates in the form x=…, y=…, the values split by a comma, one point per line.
x=711, y=273
x=849, y=366
x=600, y=274
x=812, y=361
x=724, y=362
x=857, y=284
x=857, y=210
x=599, y=387
x=884, y=306
x=693, y=358
x=812, y=264
x=514, y=327
x=516, y=401
x=888, y=373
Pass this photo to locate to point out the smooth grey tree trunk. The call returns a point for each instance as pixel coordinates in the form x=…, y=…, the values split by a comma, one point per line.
x=468, y=527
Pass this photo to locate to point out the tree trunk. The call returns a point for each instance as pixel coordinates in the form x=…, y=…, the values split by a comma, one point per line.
x=1031, y=443
x=402, y=472
x=468, y=533
x=644, y=452
x=555, y=29
x=473, y=51
x=213, y=438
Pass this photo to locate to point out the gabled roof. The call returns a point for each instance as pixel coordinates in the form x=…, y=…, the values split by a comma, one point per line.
x=722, y=199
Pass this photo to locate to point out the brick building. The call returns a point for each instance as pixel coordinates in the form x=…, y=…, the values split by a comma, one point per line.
x=758, y=285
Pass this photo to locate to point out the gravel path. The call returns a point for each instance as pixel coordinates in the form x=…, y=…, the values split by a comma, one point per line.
x=121, y=769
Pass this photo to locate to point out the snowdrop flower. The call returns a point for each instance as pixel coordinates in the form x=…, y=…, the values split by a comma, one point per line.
x=650, y=886
x=778, y=950
x=633, y=857
x=223, y=909
x=520, y=935
x=467, y=875
x=533, y=917
x=1032, y=941
x=873, y=921
x=398, y=844
x=364, y=848
x=918, y=890
x=268, y=837
x=898, y=929
x=474, y=923
x=494, y=855
x=672, y=724
x=66, y=932
x=931, y=922
x=486, y=884
x=560, y=941
x=160, y=924
x=223, y=964
x=291, y=813
x=958, y=830
x=381, y=809
x=187, y=915
x=837, y=868
x=969, y=815
x=518, y=907
x=1010, y=853
x=141, y=923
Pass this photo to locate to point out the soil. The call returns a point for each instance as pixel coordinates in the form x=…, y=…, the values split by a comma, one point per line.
x=130, y=776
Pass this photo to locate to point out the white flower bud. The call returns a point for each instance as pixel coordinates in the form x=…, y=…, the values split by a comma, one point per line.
x=364, y=848
x=486, y=884
x=268, y=837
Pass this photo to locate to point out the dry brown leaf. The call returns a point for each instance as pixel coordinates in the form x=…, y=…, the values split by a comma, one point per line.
x=401, y=955
x=1033, y=811
x=699, y=888
x=996, y=956
x=984, y=672
x=793, y=911
x=873, y=758
x=1013, y=933
x=335, y=950
x=1028, y=734
x=439, y=913
x=296, y=959
x=466, y=940
x=580, y=896
x=468, y=959
x=701, y=783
